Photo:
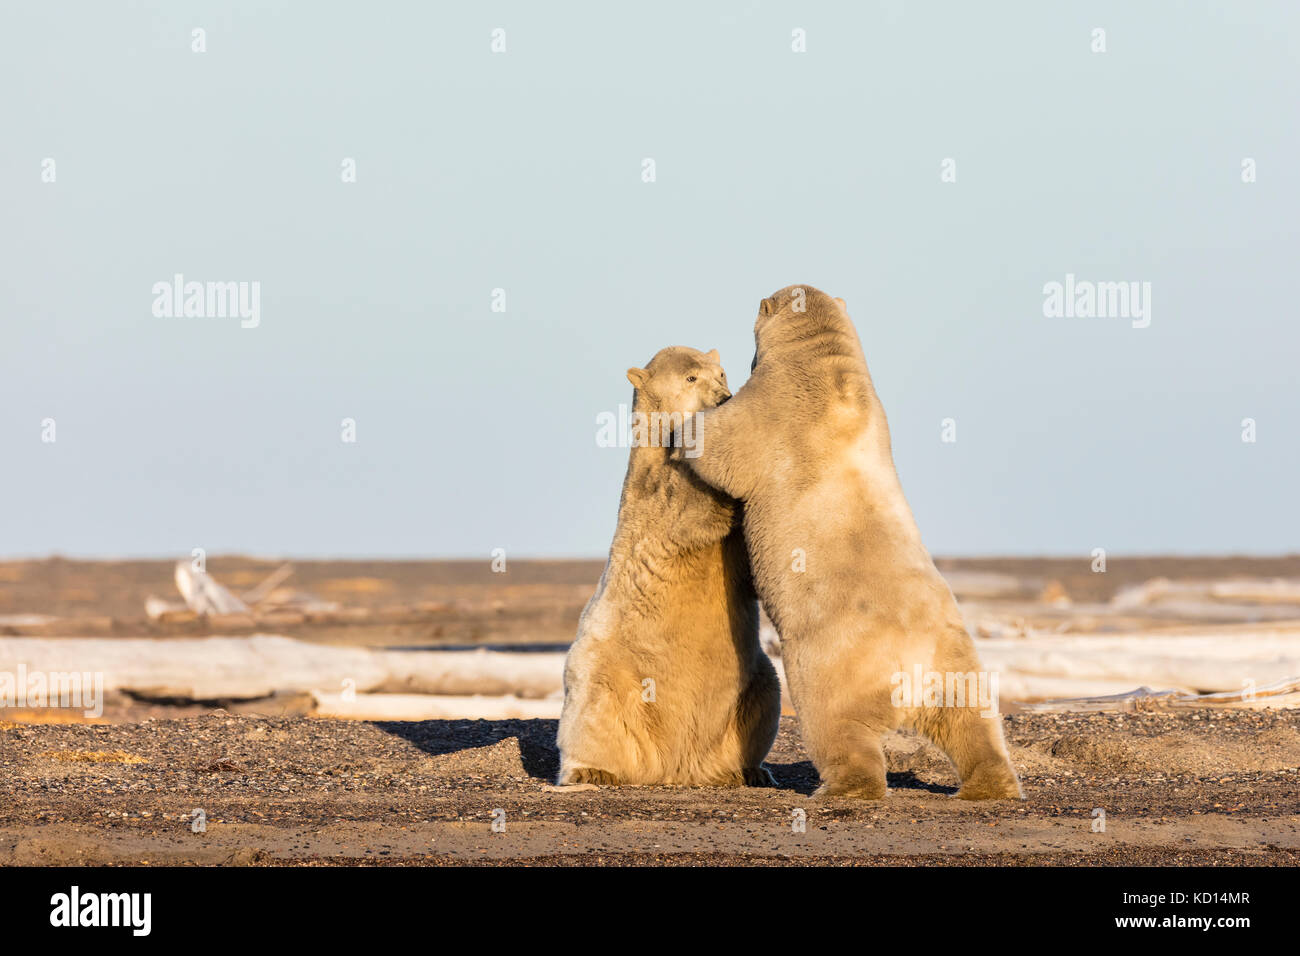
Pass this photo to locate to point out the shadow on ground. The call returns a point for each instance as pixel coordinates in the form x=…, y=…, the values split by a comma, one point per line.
x=541, y=758
x=801, y=777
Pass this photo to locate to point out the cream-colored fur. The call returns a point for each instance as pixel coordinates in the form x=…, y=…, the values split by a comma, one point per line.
x=805, y=446
x=676, y=607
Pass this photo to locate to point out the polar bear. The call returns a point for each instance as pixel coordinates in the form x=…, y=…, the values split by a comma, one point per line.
x=666, y=682
x=837, y=558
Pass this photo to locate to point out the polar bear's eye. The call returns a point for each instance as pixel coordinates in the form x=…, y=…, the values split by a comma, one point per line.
x=690, y=378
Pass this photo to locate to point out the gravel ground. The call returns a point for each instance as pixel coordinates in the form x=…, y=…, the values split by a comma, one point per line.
x=1195, y=788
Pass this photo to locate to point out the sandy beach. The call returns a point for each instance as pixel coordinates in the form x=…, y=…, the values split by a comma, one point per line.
x=1186, y=789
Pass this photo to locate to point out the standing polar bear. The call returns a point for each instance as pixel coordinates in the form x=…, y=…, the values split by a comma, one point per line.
x=666, y=682
x=837, y=558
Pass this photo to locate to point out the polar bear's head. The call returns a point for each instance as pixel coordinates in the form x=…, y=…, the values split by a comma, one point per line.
x=797, y=314
x=679, y=379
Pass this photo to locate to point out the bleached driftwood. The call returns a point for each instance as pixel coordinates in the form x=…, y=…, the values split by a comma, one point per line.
x=1208, y=659
x=1249, y=590
x=429, y=707
x=213, y=668
x=1284, y=693
x=286, y=600
x=1274, y=591
x=1195, y=608
x=160, y=609
x=269, y=584
x=1031, y=668
x=267, y=605
x=26, y=620
x=204, y=594
x=1030, y=619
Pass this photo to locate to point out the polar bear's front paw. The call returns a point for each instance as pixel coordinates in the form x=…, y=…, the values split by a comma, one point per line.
x=758, y=776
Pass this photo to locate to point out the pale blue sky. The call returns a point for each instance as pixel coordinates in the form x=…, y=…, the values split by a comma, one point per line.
x=522, y=170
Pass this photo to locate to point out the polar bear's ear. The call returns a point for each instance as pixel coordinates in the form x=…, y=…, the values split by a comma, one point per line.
x=765, y=307
x=844, y=306
x=638, y=377
x=712, y=355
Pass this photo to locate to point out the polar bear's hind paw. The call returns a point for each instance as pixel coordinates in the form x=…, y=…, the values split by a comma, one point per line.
x=591, y=775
